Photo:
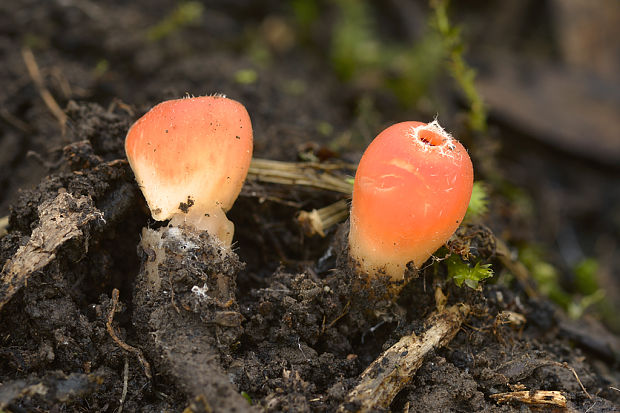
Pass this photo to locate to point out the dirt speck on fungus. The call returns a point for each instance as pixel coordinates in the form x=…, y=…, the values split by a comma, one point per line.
x=185, y=206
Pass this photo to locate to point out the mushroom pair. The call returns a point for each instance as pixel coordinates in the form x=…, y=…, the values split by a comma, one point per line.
x=412, y=187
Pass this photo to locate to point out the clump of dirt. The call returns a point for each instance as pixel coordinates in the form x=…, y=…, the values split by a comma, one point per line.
x=186, y=314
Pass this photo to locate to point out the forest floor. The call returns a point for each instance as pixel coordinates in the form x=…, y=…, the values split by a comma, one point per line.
x=287, y=326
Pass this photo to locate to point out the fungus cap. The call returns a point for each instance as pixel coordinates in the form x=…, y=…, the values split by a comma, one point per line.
x=190, y=158
x=411, y=191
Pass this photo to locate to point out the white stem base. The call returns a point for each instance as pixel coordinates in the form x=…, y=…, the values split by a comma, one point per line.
x=213, y=221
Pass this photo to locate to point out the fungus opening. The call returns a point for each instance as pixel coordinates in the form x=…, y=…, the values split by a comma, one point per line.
x=431, y=135
x=430, y=138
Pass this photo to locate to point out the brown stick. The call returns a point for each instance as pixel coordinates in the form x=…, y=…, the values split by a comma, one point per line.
x=35, y=75
x=318, y=221
x=145, y=364
x=316, y=175
x=546, y=397
x=60, y=220
x=566, y=366
x=516, y=268
x=394, y=369
x=4, y=223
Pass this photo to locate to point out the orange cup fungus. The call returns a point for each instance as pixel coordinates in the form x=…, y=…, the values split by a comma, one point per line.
x=190, y=157
x=411, y=192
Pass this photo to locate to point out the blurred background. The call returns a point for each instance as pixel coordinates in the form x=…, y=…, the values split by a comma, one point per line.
x=531, y=87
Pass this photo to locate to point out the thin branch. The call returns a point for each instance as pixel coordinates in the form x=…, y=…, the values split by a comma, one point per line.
x=4, y=223
x=318, y=221
x=317, y=175
x=394, y=369
x=125, y=381
x=338, y=318
x=536, y=397
x=566, y=366
x=35, y=75
x=145, y=364
x=515, y=267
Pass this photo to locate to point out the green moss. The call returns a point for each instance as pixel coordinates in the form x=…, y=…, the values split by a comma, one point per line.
x=325, y=128
x=462, y=73
x=246, y=76
x=414, y=68
x=305, y=12
x=247, y=397
x=101, y=68
x=586, y=272
x=354, y=48
x=479, y=201
x=577, y=307
x=462, y=272
x=586, y=293
x=545, y=274
x=184, y=15
x=358, y=54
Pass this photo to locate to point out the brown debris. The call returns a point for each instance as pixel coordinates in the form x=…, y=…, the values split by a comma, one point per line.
x=312, y=174
x=318, y=221
x=4, y=223
x=35, y=75
x=388, y=374
x=145, y=364
x=58, y=386
x=60, y=220
x=547, y=397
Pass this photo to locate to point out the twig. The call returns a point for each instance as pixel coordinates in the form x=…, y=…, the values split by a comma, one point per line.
x=394, y=369
x=125, y=380
x=591, y=407
x=4, y=223
x=515, y=267
x=35, y=75
x=316, y=175
x=145, y=364
x=566, y=366
x=15, y=121
x=335, y=320
x=118, y=103
x=318, y=221
x=257, y=190
x=547, y=397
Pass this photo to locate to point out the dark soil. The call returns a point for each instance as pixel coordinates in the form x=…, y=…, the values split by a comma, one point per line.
x=281, y=322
